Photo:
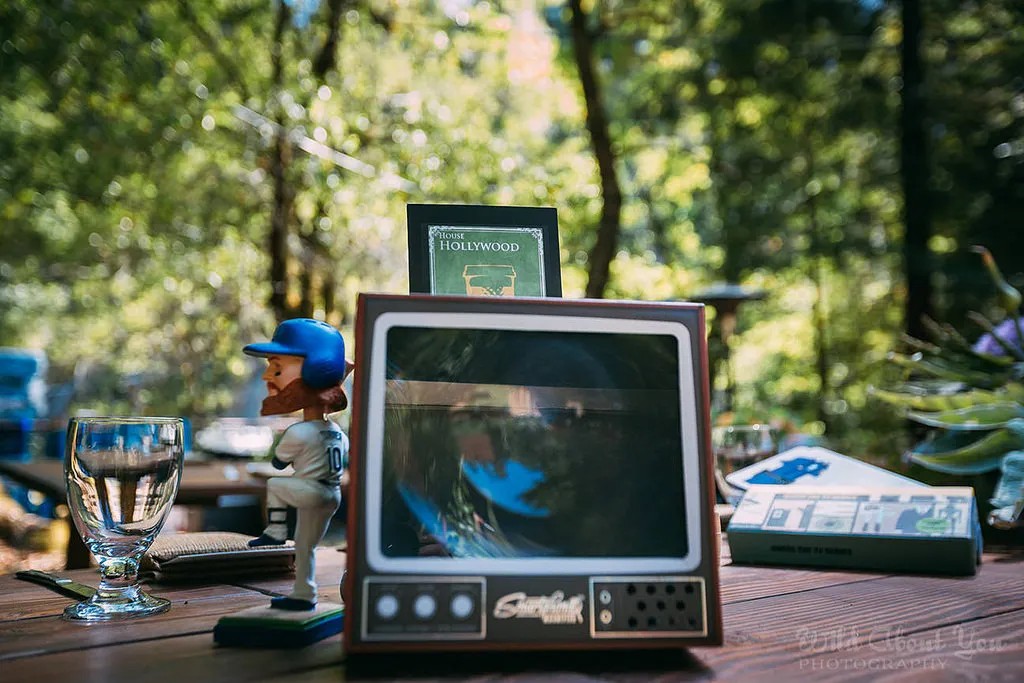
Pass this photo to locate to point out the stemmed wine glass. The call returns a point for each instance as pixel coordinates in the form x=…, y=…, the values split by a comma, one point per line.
x=122, y=475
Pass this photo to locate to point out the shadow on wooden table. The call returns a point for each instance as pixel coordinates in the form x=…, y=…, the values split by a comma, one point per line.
x=638, y=665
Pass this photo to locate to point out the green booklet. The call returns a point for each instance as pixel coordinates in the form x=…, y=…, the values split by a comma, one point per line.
x=483, y=250
x=486, y=261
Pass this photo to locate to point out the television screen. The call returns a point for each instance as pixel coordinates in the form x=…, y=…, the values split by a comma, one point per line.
x=531, y=444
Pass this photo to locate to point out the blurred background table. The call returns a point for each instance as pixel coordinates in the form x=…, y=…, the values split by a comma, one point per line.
x=203, y=484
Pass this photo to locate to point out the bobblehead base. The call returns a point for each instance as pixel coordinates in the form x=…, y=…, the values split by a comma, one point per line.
x=268, y=628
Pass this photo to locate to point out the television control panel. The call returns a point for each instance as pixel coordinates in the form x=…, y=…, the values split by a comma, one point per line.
x=448, y=608
x=424, y=608
x=648, y=607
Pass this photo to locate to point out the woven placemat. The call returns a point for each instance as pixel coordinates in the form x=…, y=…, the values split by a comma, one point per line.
x=169, y=546
x=213, y=555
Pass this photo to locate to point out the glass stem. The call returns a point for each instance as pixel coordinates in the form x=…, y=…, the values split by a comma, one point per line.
x=119, y=578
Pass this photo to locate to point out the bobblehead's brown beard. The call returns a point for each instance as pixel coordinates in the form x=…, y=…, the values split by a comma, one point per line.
x=298, y=396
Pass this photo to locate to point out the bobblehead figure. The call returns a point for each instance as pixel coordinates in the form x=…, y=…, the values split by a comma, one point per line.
x=305, y=369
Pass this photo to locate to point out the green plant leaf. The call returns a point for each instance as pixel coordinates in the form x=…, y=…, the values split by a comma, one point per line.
x=1001, y=361
x=912, y=397
x=936, y=367
x=979, y=467
x=973, y=418
x=983, y=455
x=943, y=442
x=1009, y=296
x=936, y=402
x=952, y=347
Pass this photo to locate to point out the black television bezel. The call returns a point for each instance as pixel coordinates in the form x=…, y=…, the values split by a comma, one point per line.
x=421, y=217
x=371, y=307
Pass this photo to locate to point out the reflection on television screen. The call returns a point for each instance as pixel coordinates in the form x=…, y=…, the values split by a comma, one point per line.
x=503, y=443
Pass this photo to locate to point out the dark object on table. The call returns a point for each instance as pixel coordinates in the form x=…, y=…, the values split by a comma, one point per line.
x=269, y=628
x=58, y=584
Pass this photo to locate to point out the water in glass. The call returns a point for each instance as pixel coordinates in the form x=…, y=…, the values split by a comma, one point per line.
x=122, y=477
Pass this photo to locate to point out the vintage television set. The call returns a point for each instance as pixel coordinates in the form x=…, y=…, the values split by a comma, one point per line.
x=530, y=473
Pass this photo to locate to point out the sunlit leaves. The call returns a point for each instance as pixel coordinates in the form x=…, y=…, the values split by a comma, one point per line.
x=755, y=146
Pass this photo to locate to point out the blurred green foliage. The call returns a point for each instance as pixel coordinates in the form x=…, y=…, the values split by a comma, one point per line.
x=757, y=143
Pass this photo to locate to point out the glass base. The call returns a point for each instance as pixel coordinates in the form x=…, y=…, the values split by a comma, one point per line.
x=128, y=605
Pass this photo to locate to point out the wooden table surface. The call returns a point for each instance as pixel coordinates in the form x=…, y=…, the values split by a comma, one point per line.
x=780, y=624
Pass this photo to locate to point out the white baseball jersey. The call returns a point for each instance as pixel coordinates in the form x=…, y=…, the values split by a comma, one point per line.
x=316, y=449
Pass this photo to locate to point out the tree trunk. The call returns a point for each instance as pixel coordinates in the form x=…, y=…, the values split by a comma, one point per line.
x=307, y=304
x=604, y=248
x=327, y=59
x=914, y=169
x=213, y=44
x=820, y=317
x=314, y=253
x=327, y=293
x=818, y=272
x=278, y=242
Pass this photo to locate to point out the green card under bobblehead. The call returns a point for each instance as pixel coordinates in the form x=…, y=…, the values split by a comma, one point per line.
x=306, y=367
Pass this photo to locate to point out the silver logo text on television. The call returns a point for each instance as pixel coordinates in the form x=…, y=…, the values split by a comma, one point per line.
x=550, y=609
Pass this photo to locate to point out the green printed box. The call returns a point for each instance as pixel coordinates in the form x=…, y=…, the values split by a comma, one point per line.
x=932, y=530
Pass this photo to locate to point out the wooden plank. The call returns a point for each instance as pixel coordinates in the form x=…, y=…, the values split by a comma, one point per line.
x=40, y=627
x=195, y=659
x=198, y=614
x=779, y=624
x=524, y=667
x=21, y=599
x=990, y=648
x=985, y=649
x=775, y=631
x=30, y=614
x=191, y=658
x=749, y=582
x=29, y=601
x=741, y=583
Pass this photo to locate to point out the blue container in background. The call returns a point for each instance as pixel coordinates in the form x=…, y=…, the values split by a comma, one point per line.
x=22, y=403
x=15, y=438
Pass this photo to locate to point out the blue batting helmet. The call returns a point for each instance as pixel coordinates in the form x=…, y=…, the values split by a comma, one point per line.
x=321, y=345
